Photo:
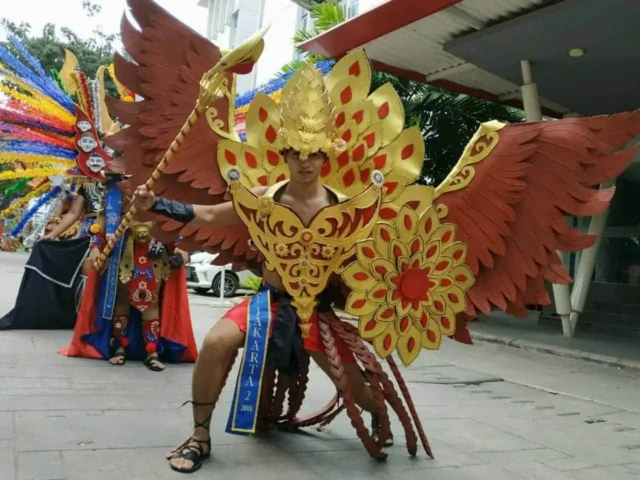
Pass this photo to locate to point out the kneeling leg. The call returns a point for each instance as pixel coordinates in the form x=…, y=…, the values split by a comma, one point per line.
x=361, y=392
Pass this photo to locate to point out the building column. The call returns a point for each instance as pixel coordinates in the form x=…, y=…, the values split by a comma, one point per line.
x=533, y=113
x=587, y=264
x=530, y=97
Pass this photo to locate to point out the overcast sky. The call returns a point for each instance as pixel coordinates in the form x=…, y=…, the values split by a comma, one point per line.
x=69, y=13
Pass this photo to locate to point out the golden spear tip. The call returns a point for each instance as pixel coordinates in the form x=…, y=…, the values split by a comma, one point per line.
x=248, y=51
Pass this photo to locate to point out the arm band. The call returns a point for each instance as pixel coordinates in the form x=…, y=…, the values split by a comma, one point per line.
x=182, y=212
x=176, y=261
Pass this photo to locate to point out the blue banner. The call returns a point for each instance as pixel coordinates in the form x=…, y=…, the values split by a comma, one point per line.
x=109, y=281
x=246, y=399
x=113, y=208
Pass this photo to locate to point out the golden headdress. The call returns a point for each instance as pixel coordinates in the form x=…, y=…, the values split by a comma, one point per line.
x=307, y=115
x=371, y=161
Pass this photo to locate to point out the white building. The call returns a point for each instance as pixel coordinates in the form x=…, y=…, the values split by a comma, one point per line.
x=229, y=22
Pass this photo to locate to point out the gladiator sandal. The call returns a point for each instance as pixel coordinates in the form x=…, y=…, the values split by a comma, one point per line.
x=151, y=335
x=120, y=341
x=376, y=429
x=194, y=450
x=119, y=357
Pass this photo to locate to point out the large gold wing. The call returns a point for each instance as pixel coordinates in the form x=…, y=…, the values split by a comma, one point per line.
x=489, y=237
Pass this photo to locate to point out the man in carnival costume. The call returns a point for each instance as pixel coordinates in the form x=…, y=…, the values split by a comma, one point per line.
x=323, y=192
x=62, y=141
x=136, y=307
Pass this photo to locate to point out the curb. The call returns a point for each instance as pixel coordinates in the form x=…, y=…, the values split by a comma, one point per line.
x=555, y=350
x=532, y=346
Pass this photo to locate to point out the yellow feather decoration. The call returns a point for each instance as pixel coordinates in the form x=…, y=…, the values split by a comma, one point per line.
x=35, y=99
x=24, y=200
x=125, y=94
x=66, y=72
x=33, y=172
x=36, y=160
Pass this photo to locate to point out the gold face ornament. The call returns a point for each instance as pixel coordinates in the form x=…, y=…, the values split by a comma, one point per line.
x=141, y=232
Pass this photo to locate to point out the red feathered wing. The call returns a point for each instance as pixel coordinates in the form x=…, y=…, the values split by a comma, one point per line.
x=512, y=212
x=168, y=61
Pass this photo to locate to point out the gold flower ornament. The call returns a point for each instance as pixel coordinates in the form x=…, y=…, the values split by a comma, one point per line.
x=408, y=283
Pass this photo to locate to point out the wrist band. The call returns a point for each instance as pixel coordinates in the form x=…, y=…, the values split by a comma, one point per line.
x=176, y=261
x=182, y=212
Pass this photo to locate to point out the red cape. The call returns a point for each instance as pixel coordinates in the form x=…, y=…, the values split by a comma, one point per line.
x=175, y=317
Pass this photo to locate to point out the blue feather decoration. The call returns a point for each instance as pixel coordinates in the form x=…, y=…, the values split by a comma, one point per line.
x=33, y=61
x=47, y=197
x=48, y=85
x=36, y=148
x=40, y=84
x=278, y=83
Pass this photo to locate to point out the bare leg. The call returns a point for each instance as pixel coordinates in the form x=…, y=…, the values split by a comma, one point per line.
x=218, y=348
x=87, y=265
x=361, y=391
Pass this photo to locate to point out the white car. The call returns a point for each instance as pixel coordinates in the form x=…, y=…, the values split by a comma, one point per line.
x=202, y=276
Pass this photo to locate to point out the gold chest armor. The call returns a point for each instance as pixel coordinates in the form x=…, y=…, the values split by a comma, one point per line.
x=305, y=257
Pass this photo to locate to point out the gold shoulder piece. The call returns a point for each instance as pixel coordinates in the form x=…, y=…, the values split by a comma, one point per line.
x=305, y=256
x=478, y=148
x=274, y=189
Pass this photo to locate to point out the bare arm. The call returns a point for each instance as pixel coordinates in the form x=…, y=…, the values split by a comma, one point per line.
x=74, y=213
x=221, y=215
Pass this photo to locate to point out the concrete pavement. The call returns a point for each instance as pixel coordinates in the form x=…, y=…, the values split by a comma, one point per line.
x=491, y=412
x=529, y=334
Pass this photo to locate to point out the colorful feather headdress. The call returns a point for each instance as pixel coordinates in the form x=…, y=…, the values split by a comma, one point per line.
x=42, y=128
x=44, y=133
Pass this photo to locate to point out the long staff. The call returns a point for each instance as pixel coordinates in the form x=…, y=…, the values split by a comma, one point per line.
x=238, y=60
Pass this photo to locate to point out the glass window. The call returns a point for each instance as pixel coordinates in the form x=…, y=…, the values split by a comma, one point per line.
x=353, y=8
x=619, y=254
x=233, y=32
x=303, y=24
x=304, y=19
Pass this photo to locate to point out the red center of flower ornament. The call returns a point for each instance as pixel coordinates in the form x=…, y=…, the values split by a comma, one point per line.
x=414, y=284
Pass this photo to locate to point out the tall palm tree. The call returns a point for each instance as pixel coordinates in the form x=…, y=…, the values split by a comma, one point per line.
x=447, y=120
